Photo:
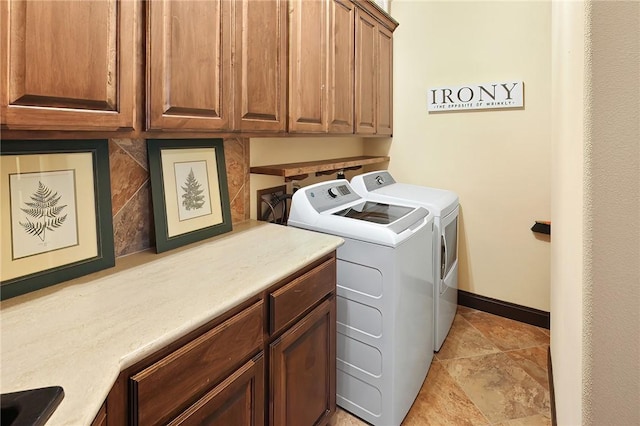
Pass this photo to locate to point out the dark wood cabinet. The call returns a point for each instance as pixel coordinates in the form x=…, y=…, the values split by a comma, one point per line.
x=303, y=370
x=101, y=417
x=270, y=359
x=366, y=45
x=341, y=51
x=67, y=65
x=373, y=71
x=384, y=103
x=196, y=67
x=308, y=66
x=260, y=65
x=163, y=389
x=238, y=400
x=189, y=65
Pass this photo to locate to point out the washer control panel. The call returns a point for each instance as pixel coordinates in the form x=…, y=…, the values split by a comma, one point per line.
x=330, y=195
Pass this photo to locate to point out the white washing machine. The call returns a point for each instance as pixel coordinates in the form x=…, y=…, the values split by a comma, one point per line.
x=384, y=297
x=444, y=204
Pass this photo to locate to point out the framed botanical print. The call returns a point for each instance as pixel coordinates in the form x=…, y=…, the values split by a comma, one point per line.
x=189, y=190
x=56, y=212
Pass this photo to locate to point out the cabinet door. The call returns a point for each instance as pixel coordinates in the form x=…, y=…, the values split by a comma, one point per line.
x=366, y=73
x=303, y=370
x=341, y=66
x=384, y=125
x=260, y=60
x=67, y=65
x=188, y=65
x=308, y=38
x=238, y=400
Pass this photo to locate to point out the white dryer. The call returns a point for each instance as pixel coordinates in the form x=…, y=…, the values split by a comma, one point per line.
x=444, y=204
x=384, y=297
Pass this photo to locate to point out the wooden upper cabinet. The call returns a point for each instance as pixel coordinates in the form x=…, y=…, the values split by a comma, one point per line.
x=67, y=65
x=385, y=82
x=365, y=73
x=341, y=66
x=308, y=39
x=189, y=65
x=260, y=61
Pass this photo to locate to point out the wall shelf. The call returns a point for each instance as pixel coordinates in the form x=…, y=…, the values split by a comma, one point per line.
x=298, y=171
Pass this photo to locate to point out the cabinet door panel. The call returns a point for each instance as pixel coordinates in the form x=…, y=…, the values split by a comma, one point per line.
x=69, y=64
x=189, y=64
x=385, y=81
x=260, y=65
x=341, y=66
x=366, y=80
x=303, y=370
x=307, y=66
x=238, y=400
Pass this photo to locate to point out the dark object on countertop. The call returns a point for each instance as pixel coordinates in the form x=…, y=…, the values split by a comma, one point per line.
x=31, y=407
x=542, y=227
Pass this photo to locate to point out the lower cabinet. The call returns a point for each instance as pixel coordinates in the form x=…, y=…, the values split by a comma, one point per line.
x=238, y=400
x=270, y=360
x=303, y=370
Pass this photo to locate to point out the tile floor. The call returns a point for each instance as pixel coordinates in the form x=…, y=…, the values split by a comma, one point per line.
x=490, y=371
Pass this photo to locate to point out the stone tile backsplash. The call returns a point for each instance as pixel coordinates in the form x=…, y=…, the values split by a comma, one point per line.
x=131, y=191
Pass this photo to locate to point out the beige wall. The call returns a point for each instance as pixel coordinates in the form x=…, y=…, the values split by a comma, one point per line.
x=595, y=279
x=611, y=368
x=265, y=151
x=497, y=161
x=567, y=209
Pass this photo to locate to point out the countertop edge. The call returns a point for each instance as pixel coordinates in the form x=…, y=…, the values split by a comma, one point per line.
x=295, y=249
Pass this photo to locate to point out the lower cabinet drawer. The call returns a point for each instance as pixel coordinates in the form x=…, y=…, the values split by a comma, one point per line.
x=164, y=389
x=238, y=400
x=293, y=299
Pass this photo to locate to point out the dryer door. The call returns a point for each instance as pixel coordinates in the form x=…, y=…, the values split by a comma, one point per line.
x=449, y=243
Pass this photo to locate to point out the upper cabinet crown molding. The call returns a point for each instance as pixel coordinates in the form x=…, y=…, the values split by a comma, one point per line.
x=378, y=14
x=68, y=65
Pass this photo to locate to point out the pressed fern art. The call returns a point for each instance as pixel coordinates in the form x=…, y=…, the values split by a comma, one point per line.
x=192, y=186
x=189, y=190
x=192, y=198
x=56, y=205
x=43, y=212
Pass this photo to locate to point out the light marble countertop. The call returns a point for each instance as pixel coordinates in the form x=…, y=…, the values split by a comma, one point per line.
x=82, y=333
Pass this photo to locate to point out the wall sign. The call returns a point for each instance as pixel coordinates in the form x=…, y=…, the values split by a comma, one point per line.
x=507, y=94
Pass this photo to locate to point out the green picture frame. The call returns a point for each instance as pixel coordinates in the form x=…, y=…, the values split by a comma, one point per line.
x=56, y=212
x=189, y=190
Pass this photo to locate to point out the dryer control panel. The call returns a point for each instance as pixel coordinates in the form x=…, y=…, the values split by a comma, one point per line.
x=330, y=195
x=375, y=180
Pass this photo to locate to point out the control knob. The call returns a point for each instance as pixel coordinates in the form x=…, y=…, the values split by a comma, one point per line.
x=333, y=192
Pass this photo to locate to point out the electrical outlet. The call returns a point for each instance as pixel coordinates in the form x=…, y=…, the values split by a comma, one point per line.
x=271, y=204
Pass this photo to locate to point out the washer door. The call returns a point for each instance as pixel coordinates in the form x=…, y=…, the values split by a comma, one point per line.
x=381, y=213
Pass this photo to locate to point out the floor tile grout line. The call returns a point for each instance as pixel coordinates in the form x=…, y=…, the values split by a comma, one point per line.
x=475, y=405
x=467, y=395
x=490, y=340
x=503, y=351
x=546, y=345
